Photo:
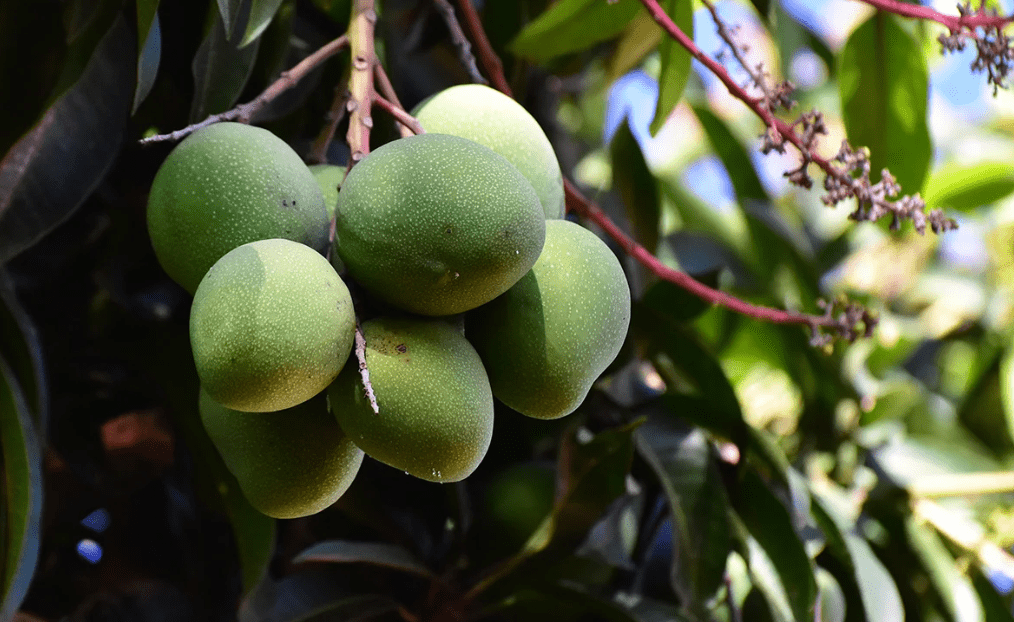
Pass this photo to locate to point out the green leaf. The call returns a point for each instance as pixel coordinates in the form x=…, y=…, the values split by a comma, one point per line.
x=573, y=25
x=637, y=187
x=674, y=302
x=86, y=126
x=147, y=64
x=377, y=553
x=883, y=81
x=957, y=592
x=22, y=493
x=964, y=188
x=682, y=460
x=21, y=347
x=994, y=607
x=777, y=559
x=675, y=63
x=147, y=16
x=307, y=595
x=229, y=10
x=641, y=36
x=261, y=14
x=733, y=155
x=221, y=70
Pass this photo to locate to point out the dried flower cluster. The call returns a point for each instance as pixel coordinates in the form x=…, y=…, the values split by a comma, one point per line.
x=843, y=319
x=995, y=49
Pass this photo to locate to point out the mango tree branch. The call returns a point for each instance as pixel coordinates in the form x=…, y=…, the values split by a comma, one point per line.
x=391, y=99
x=407, y=122
x=244, y=112
x=967, y=20
x=361, y=30
x=490, y=61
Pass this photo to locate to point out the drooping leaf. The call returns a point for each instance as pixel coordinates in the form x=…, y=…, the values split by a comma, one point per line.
x=964, y=188
x=955, y=590
x=221, y=69
x=147, y=63
x=38, y=189
x=831, y=597
x=637, y=187
x=261, y=14
x=147, y=16
x=775, y=554
x=745, y=182
x=994, y=607
x=884, y=83
x=675, y=63
x=641, y=36
x=682, y=461
x=573, y=25
x=307, y=595
x=377, y=553
x=229, y=11
x=22, y=491
x=21, y=347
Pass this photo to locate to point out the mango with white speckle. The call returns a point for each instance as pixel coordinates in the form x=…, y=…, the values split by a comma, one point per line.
x=437, y=225
x=434, y=416
x=271, y=326
x=547, y=339
x=225, y=185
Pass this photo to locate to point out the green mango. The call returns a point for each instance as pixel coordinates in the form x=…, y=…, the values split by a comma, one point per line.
x=437, y=224
x=490, y=118
x=290, y=463
x=435, y=418
x=271, y=326
x=547, y=339
x=225, y=185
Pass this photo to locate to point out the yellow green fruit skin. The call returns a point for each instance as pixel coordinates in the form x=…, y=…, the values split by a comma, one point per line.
x=437, y=224
x=328, y=177
x=436, y=408
x=291, y=463
x=547, y=339
x=271, y=326
x=225, y=185
x=490, y=118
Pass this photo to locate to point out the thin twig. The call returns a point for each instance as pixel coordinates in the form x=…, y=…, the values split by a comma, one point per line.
x=460, y=41
x=383, y=83
x=318, y=151
x=244, y=112
x=405, y=119
x=969, y=21
x=487, y=55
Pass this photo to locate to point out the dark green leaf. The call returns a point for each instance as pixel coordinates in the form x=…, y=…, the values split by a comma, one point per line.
x=733, y=155
x=147, y=16
x=221, y=70
x=965, y=188
x=573, y=596
x=996, y=610
x=38, y=189
x=637, y=187
x=674, y=302
x=22, y=493
x=147, y=63
x=261, y=14
x=778, y=561
x=955, y=590
x=675, y=63
x=229, y=10
x=377, y=553
x=20, y=346
x=884, y=81
x=88, y=25
x=682, y=461
x=573, y=25
x=306, y=595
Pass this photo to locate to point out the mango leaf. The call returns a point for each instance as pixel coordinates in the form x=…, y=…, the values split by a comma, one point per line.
x=781, y=568
x=745, y=181
x=85, y=126
x=261, y=14
x=641, y=36
x=964, y=188
x=675, y=63
x=674, y=302
x=792, y=37
x=573, y=25
x=22, y=493
x=307, y=595
x=993, y=605
x=955, y=590
x=636, y=185
x=878, y=593
x=682, y=461
x=221, y=69
x=377, y=553
x=883, y=82
x=229, y=10
x=147, y=16
x=147, y=63
x=21, y=347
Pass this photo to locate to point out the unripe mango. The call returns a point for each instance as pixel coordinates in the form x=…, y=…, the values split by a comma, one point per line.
x=437, y=224
x=225, y=185
x=271, y=326
x=547, y=339
x=435, y=418
x=490, y=118
x=289, y=463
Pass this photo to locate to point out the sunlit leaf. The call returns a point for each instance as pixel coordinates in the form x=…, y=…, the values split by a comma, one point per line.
x=221, y=70
x=22, y=493
x=38, y=189
x=959, y=596
x=965, y=188
x=377, y=553
x=573, y=25
x=993, y=605
x=831, y=597
x=261, y=14
x=641, y=36
x=675, y=63
x=636, y=185
x=884, y=85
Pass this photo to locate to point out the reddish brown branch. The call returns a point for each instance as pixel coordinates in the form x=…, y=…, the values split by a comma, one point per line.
x=487, y=56
x=405, y=119
x=969, y=21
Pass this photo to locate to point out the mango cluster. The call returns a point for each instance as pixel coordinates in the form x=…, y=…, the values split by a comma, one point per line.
x=468, y=284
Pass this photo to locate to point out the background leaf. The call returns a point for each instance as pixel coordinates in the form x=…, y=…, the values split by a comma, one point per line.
x=147, y=63
x=86, y=126
x=636, y=185
x=22, y=349
x=221, y=70
x=675, y=63
x=965, y=188
x=379, y=553
x=573, y=25
x=884, y=85
x=261, y=14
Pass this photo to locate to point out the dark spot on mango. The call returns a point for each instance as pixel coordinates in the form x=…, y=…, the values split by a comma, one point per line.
x=402, y=348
